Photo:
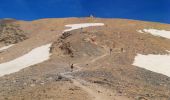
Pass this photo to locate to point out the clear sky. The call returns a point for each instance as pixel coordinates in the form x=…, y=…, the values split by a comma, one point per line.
x=149, y=10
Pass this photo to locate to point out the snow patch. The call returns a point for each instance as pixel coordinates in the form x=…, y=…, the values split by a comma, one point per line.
x=140, y=31
x=155, y=63
x=156, y=32
x=35, y=56
x=6, y=47
x=81, y=25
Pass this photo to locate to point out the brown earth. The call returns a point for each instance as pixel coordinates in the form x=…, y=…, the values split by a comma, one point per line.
x=98, y=74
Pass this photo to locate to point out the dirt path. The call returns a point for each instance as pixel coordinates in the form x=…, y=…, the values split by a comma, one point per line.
x=96, y=92
x=102, y=56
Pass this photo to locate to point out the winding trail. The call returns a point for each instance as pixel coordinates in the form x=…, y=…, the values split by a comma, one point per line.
x=96, y=92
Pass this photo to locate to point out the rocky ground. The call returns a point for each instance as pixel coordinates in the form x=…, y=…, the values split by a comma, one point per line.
x=98, y=74
x=11, y=34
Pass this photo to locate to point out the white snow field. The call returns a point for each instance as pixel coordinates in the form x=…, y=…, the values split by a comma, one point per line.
x=156, y=32
x=6, y=47
x=81, y=25
x=155, y=63
x=35, y=56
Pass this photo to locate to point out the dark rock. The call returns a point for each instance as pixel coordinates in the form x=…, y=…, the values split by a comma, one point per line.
x=65, y=35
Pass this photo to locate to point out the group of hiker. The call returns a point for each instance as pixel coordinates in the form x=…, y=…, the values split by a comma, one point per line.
x=110, y=50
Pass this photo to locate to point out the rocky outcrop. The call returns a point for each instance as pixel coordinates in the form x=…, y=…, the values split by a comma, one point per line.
x=11, y=34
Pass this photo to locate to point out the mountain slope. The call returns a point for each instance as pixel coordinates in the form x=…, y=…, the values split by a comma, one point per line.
x=102, y=52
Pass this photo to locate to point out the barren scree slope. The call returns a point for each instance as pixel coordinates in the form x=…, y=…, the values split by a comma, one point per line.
x=113, y=59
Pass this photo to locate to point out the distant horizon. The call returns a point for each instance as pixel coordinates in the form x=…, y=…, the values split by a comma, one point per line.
x=142, y=10
x=86, y=17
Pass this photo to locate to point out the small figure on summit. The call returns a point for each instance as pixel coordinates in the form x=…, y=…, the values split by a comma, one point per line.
x=91, y=16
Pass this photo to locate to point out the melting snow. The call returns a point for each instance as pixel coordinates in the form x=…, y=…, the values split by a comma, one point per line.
x=155, y=63
x=82, y=25
x=156, y=32
x=140, y=31
x=6, y=47
x=35, y=56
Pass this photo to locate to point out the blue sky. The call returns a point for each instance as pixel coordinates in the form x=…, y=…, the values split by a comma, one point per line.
x=149, y=10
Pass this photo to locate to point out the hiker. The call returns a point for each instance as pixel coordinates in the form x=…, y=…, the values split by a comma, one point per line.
x=71, y=67
x=110, y=51
x=122, y=50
